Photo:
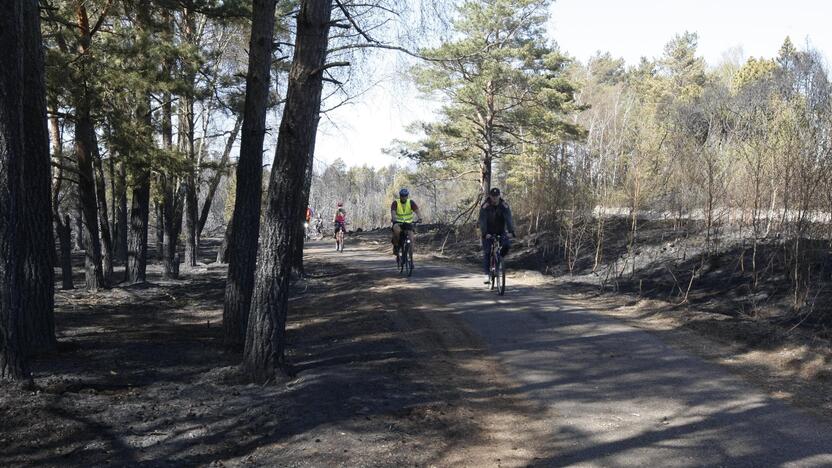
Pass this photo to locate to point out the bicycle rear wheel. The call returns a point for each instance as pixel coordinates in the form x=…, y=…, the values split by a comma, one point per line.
x=501, y=277
x=492, y=270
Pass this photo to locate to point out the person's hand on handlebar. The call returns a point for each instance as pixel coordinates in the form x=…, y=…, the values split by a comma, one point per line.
x=488, y=236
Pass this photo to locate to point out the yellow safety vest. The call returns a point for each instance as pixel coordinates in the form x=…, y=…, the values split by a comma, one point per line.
x=404, y=212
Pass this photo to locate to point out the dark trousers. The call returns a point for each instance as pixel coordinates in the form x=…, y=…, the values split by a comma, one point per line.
x=505, y=244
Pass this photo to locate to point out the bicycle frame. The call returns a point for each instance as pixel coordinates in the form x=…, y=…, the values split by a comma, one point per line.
x=497, y=269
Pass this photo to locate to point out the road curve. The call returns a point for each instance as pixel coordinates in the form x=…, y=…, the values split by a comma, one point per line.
x=612, y=395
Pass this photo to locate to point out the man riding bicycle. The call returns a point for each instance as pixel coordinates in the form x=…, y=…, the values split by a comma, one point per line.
x=340, y=219
x=495, y=220
x=401, y=215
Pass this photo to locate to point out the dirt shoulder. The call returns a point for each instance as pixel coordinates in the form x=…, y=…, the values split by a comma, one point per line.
x=789, y=363
x=142, y=379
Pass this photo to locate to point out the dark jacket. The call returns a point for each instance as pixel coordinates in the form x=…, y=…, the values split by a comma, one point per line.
x=495, y=219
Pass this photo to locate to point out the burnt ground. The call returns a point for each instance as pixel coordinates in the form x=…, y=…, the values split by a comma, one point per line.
x=141, y=379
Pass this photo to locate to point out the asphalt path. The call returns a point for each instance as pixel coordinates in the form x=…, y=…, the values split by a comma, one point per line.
x=611, y=394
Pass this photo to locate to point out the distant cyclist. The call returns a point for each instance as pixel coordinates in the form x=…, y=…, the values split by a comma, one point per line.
x=340, y=219
x=402, y=212
x=495, y=219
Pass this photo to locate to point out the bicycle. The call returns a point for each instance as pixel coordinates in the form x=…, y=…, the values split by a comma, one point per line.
x=497, y=271
x=404, y=255
x=339, y=237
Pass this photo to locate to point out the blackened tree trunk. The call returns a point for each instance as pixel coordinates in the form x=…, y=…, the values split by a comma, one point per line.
x=120, y=196
x=160, y=229
x=38, y=286
x=222, y=253
x=188, y=32
x=215, y=180
x=300, y=238
x=136, y=270
x=245, y=220
x=186, y=119
x=64, y=231
x=266, y=332
x=63, y=226
x=173, y=225
x=103, y=216
x=79, y=227
x=84, y=154
x=139, y=215
x=191, y=214
x=86, y=196
x=171, y=196
x=12, y=360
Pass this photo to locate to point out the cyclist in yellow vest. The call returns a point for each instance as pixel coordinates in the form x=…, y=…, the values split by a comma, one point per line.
x=403, y=212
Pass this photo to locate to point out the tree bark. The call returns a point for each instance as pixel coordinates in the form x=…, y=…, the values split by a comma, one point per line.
x=38, y=290
x=79, y=226
x=64, y=231
x=171, y=196
x=173, y=224
x=63, y=228
x=266, y=337
x=121, y=237
x=245, y=220
x=190, y=183
x=84, y=140
x=300, y=238
x=222, y=253
x=160, y=228
x=12, y=359
x=136, y=270
x=103, y=216
x=139, y=215
x=86, y=196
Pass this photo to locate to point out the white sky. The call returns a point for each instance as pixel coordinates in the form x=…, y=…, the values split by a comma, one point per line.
x=626, y=28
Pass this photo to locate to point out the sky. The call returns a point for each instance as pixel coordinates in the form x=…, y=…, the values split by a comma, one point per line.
x=358, y=132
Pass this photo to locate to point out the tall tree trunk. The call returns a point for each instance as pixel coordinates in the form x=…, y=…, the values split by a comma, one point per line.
x=245, y=220
x=186, y=118
x=79, y=225
x=12, y=358
x=84, y=154
x=171, y=199
x=120, y=194
x=38, y=289
x=266, y=332
x=139, y=215
x=86, y=196
x=300, y=238
x=103, y=216
x=215, y=181
x=136, y=270
x=63, y=227
x=64, y=231
x=187, y=126
x=173, y=225
x=160, y=227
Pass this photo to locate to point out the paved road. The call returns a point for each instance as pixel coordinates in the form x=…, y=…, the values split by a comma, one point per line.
x=614, y=395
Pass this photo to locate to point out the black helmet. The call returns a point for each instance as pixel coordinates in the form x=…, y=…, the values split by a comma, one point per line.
x=403, y=192
x=495, y=191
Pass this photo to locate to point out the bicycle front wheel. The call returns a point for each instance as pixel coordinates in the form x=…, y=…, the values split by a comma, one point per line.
x=409, y=261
